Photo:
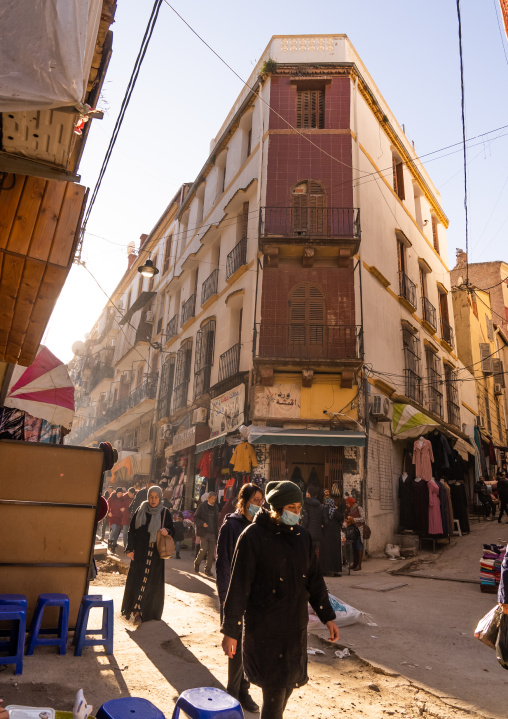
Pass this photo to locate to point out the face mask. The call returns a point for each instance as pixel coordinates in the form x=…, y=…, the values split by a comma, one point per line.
x=289, y=517
x=253, y=509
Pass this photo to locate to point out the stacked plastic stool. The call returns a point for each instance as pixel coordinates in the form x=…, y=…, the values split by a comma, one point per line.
x=81, y=634
x=43, y=602
x=129, y=708
x=207, y=703
x=13, y=609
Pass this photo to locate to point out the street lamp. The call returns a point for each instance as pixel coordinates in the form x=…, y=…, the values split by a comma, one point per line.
x=148, y=270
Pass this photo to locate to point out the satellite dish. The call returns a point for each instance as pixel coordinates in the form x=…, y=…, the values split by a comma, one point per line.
x=131, y=248
x=78, y=348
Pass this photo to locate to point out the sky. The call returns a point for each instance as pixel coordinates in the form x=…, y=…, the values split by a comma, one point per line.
x=184, y=92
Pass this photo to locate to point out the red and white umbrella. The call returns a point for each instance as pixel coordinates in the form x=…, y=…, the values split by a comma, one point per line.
x=43, y=390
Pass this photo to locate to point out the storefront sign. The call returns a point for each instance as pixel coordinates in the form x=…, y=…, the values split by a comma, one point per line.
x=185, y=438
x=281, y=401
x=227, y=411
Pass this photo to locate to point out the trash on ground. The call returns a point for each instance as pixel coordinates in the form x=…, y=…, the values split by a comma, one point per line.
x=345, y=614
x=392, y=551
x=310, y=650
x=344, y=654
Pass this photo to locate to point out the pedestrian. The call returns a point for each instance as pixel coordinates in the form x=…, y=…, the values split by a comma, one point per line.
x=314, y=517
x=144, y=588
x=484, y=497
x=115, y=513
x=355, y=517
x=126, y=517
x=132, y=496
x=275, y=574
x=141, y=496
x=502, y=493
x=206, y=520
x=250, y=500
x=330, y=555
x=104, y=523
x=179, y=534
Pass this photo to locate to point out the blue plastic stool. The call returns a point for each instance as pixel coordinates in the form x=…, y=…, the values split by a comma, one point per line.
x=49, y=600
x=129, y=708
x=208, y=703
x=16, y=644
x=106, y=633
x=17, y=599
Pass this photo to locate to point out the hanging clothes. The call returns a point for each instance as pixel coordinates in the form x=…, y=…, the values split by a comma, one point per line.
x=205, y=465
x=406, y=502
x=445, y=505
x=50, y=433
x=12, y=423
x=32, y=428
x=423, y=458
x=244, y=458
x=435, y=522
x=460, y=505
x=313, y=480
x=297, y=478
x=421, y=505
x=479, y=444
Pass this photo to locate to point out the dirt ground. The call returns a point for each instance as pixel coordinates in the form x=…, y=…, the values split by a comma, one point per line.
x=158, y=660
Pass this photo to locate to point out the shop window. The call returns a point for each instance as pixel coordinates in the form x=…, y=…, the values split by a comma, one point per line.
x=309, y=214
x=310, y=108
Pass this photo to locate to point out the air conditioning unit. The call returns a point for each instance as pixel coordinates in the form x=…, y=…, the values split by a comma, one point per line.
x=149, y=317
x=498, y=388
x=480, y=422
x=164, y=431
x=381, y=408
x=199, y=415
x=118, y=444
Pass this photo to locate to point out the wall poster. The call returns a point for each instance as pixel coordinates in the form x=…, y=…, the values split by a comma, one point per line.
x=227, y=411
x=280, y=401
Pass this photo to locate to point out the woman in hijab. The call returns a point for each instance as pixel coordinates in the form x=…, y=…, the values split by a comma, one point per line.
x=144, y=588
x=355, y=518
x=330, y=555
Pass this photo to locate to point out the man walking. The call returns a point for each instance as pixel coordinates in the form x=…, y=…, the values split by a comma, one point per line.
x=206, y=520
x=502, y=493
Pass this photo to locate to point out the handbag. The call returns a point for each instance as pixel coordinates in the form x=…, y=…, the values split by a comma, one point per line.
x=165, y=544
x=366, y=531
x=488, y=627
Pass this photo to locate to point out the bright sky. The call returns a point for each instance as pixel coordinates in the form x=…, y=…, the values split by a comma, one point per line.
x=184, y=92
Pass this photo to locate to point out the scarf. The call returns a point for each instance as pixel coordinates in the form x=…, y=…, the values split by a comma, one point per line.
x=331, y=506
x=155, y=514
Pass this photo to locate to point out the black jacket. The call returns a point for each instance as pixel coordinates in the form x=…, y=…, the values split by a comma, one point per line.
x=208, y=514
x=502, y=488
x=179, y=534
x=275, y=574
x=233, y=526
x=140, y=497
x=314, y=518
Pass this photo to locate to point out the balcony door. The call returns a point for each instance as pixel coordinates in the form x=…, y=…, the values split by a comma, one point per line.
x=307, y=313
x=308, y=202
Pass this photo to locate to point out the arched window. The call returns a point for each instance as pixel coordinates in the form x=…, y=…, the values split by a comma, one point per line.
x=307, y=316
x=308, y=201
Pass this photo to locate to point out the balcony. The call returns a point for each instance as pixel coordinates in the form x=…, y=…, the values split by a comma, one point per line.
x=180, y=395
x=229, y=362
x=236, y=258
x=172, y=328
x=306, y=342
x=429, y=314
x=189, y=309
x=100, y=372
x=209, y=288
x=407, y=291
x=413, y=386
x=446, y=332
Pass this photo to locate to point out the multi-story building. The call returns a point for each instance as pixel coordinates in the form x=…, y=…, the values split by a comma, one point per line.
x=492, y=277
x=303, y=291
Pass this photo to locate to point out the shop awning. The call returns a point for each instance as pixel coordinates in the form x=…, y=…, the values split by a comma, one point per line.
x=211, y=443
x=312, y=437
x=410, y=422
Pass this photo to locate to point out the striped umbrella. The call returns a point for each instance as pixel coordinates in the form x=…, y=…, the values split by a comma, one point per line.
x=410, y=422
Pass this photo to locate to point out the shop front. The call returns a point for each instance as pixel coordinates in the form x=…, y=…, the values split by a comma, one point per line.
x=180, y=465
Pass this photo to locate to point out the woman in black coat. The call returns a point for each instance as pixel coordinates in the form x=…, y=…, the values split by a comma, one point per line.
x=330, y=554
x=144, y=588
x=275, y=575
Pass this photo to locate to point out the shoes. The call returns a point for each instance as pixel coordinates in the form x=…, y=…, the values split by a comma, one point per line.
x=337, y=574
x=196, y=567
x=357, y=569
x=177, y=555
x=248, y=703
x=137, y=618
x=208, y=574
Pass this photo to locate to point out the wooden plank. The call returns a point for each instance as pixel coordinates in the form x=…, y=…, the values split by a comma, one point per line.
x=27, y=295
x=51, y=286
x=61, y=251
x=26, y=215
x=12, y=271
x=9, y=200
x=47, y=220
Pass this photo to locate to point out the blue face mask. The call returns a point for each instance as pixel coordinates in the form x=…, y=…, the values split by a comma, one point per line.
x=253, y=509
x=289, y=517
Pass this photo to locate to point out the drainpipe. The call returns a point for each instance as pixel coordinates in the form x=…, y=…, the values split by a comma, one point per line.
x=259, y=200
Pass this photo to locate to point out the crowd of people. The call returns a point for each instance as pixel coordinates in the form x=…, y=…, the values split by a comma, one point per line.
x=493, y=494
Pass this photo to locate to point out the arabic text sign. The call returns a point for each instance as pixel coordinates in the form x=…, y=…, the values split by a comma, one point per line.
x=227, y=411
x=278, y=401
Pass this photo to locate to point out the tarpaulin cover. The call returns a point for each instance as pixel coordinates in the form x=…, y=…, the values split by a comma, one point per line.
x=46, y=52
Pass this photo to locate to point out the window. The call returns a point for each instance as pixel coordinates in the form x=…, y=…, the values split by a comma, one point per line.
x=434, y=394
x=398, y=178
x=490, y=328
x=452, y=396
x=310, y=108
x=407, y=287
x=435, y=236
x=446, y=328
x=139, y=375
x=166, y=388
x=167, y=254
x=242, y=222
x=307, y=313
x=308, y=201
x=486, y=360
x=249, y=142
x=205, y=346
x=140, y=284
x=412, y=365
x=487, y=412
x=182, y=375
x=499, y=424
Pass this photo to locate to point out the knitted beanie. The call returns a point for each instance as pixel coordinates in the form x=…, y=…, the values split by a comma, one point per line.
x=279, y=494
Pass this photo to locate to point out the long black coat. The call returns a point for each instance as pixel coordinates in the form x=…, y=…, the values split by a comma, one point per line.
x=275, y=574
x=314, y=518
x=330, y=550
x=233, y=526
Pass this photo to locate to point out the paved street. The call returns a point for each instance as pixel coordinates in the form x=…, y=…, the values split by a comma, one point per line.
x=421, y=657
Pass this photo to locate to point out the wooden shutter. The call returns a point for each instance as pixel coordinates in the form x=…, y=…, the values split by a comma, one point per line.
x=307, y=315
x=486, y=361
x=490, y=328
x=497, y=367
x=278, y=468
x=310, y=109
x=443, y=306
x=167, y=254
x=435, y=237
x=400, y=180
x=394, y=171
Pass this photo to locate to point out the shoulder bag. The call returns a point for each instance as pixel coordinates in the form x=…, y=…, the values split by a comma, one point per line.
x=165, y=543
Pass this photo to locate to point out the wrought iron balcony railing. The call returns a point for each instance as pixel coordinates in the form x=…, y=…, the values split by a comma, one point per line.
x=100, y=372
x=189, y=309
x=172, y=328
x=210, y=285
x=407, y=289
x=236, y=258
x=229, y=362
x=446, y=332
x=320, y=222
x=429, y=313
x=413, y=386
x=180, y=395
x=310, y=341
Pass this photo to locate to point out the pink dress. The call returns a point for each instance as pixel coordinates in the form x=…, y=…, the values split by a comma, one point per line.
x=423, y=458
x=435, y=522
